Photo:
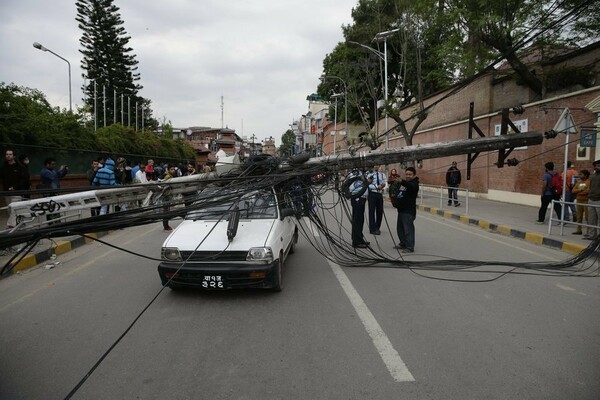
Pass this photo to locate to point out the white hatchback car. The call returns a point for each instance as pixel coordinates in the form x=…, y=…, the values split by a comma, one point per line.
x=241, y=242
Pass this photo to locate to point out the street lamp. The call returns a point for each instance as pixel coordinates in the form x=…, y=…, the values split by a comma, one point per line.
x=42, y=48
x=323, y=77
x=382, y=36
x=335, y=96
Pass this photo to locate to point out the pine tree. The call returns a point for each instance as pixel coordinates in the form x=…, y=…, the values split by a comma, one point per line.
x=109, y=61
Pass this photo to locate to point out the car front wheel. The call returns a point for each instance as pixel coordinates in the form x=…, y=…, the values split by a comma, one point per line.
x=278, y=275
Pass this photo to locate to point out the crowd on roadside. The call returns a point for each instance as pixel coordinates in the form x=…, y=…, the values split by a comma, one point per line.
x=581, y=197
x=103, y=171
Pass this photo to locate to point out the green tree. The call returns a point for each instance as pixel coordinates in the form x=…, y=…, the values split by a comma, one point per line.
x=288, y=140
x=501, y=30
x=28, y=118
x=108, y=61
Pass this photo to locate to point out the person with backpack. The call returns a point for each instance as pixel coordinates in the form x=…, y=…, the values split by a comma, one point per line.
x=594, y=202
x=551, y=190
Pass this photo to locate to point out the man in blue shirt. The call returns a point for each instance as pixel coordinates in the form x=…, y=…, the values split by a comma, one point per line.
x=105, y=177
x=49, y=178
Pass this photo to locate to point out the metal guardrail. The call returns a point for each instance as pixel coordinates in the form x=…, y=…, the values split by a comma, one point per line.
x=562, y=222
x=443, y=194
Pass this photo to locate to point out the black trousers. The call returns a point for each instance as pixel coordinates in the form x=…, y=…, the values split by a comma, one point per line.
x=358, y=220
x=546, y=200
x=375, y=211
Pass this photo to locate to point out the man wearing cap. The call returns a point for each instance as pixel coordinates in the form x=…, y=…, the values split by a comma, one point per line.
x=453, y=179
x=594, y=201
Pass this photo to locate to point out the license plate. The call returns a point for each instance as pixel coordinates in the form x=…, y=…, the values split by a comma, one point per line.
x=213, y=282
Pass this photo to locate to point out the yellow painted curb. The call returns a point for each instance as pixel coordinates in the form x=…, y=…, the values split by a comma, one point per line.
x=27, y=262
x=448, y=214
x=535, y=238
x=465, y=219
x=433, y=210
x=62, y=247
x=572, y=248
x=505, y=230
x=89, y=240
x=484, y=224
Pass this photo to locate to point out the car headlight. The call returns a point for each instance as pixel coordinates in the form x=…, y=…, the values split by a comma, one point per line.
x=264, y=254
x=170, y=254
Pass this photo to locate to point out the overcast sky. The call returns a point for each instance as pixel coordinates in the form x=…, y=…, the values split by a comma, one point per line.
x=263, y=56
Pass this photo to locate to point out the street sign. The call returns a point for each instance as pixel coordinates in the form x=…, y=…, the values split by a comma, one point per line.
x=588, y=137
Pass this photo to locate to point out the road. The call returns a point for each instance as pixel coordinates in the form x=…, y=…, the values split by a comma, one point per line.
x=333, y=333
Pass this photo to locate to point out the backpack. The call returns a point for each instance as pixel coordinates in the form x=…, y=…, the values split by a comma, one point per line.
x=556, y=183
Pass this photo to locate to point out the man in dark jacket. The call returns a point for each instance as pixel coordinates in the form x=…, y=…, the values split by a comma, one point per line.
x=13, y=176
x=453, y=179
x=406, y=203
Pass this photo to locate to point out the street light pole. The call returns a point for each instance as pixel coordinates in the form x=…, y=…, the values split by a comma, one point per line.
x=42, y=48
x=383, y=36
x=345, y=98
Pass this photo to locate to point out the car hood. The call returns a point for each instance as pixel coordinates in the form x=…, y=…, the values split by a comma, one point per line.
x=250, y=233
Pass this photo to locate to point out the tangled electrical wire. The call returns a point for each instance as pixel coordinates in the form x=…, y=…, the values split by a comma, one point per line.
x=318, y=195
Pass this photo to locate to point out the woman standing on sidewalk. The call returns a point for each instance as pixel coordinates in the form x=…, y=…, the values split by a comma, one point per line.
x=581, y=189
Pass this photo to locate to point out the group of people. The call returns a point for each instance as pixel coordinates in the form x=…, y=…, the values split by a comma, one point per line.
x=582, y=188
x=16, y=178
x=367, y=188
x=106, y=172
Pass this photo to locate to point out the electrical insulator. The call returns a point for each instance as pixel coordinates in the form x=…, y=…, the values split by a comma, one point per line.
x=551, y=134
x=518, y=110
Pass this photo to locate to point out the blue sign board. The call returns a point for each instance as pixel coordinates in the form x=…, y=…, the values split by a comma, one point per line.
x=588, y=138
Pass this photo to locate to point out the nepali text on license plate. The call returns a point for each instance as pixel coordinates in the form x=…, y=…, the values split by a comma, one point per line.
x=213, y=282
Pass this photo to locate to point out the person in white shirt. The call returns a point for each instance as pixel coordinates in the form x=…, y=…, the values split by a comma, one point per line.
x=140, y=175
x=377, y=182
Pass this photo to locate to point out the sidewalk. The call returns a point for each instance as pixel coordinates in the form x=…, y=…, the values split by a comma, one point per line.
x=508, y=219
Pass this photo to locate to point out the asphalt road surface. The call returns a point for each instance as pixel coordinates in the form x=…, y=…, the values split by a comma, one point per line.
x=333, y=333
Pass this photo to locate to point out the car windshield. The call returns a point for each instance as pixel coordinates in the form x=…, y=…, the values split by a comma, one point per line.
x=254, y=205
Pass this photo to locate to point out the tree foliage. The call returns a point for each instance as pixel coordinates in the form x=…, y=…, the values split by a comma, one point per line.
x=29, y=120
x=109, y=62
x=288, y=140
x=440, y=42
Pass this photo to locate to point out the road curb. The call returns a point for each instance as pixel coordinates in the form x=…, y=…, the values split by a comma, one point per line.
x=57, y=248
x=532, y=237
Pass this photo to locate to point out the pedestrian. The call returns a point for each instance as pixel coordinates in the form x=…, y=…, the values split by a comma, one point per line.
x=105, y=177
x=581, y=190
x=122, y=177
x=357, y=185
x=26, y=181
x=170, y=172
x=49, y=178
x=150, y=173
x=377, y=181
x=134, y=170
x=12, y=180
x=571, y=180
x=393, y=176
x=91, y=174
x=594, y=201
x=140, y=175
x=549, y=193
x=406, y=203
x=453, y=179
x=188, y=197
